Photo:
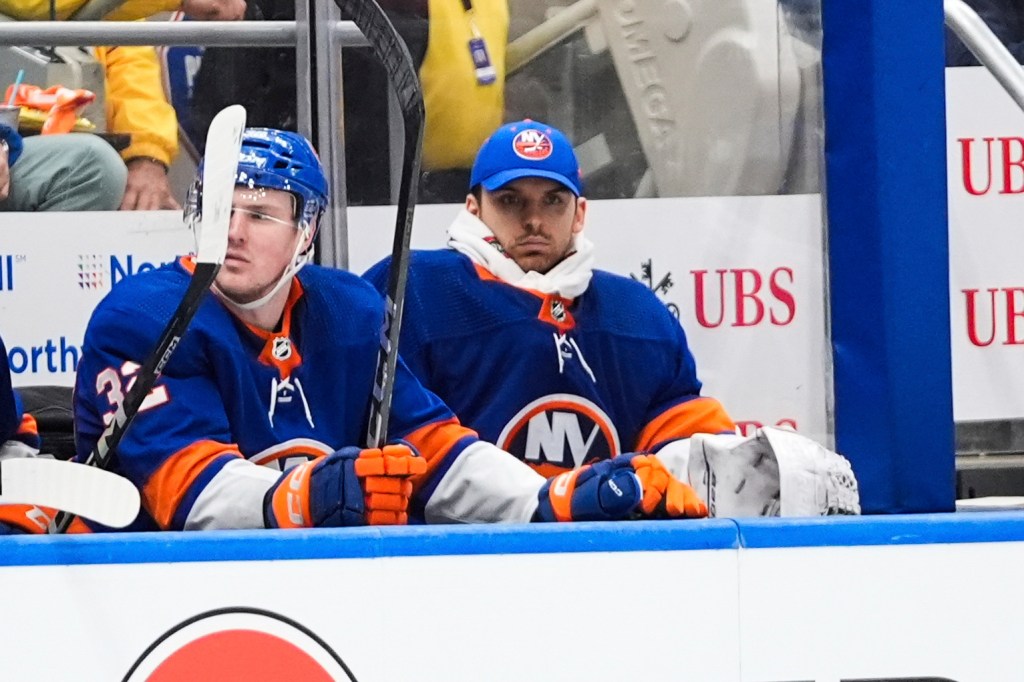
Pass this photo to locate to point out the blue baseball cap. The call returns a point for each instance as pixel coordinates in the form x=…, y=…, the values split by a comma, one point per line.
x=526, y=149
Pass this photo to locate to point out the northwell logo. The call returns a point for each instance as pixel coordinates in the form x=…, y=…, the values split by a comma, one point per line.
x=7, y=262
x=92, y=271
x=97, y=271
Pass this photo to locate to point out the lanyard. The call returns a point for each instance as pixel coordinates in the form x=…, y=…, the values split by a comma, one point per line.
x=484, y=70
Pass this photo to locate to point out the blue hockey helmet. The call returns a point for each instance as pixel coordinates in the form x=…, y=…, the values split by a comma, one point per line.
x=280, y=159
x=274, y=159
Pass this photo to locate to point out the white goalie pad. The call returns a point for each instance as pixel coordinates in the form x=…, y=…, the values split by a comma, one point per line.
x=775, y=472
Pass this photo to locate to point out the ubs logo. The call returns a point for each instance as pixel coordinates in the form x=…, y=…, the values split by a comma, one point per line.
x=559, y=432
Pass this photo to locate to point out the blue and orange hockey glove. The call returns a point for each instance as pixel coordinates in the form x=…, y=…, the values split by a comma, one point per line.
x=665, y=496
x=604, y=491
x=350, y=487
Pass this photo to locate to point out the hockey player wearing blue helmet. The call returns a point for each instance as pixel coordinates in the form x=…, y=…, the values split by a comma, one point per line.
x=255, y=420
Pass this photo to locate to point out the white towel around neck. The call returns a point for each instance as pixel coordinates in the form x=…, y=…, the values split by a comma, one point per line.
x=470, y=236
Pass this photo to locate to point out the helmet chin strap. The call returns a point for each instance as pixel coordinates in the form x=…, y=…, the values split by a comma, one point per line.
x=299, y=260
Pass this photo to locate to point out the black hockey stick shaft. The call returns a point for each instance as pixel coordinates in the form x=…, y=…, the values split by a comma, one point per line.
x=393, y=54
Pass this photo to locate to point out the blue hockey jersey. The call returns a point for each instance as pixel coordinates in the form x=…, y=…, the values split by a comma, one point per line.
x=556, y=382
x=233, y=395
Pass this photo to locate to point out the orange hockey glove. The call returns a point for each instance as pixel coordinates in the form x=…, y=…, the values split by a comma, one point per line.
x=665, y=496
x=350, y=487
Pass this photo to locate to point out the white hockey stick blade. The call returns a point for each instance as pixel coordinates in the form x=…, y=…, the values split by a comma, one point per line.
x=220, y=164
x=80, y=489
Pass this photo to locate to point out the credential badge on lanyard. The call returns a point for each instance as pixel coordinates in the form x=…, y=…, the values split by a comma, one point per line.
x=485, y=73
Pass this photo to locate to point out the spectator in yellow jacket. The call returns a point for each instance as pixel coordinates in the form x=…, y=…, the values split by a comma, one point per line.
x=135, y=99
x=136, y=105
x=463, y=90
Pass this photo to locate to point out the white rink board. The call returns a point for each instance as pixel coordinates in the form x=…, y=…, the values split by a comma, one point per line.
x=923, y=597
x=489, y=617
x=950, y=611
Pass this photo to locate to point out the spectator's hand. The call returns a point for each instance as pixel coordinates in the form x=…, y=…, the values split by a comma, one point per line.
x=214, y=10
x=147, y=188
x=5, y=173
x=350, y=487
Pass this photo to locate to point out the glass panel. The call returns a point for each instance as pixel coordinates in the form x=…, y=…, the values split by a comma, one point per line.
x=677, y=99
x=985, y=181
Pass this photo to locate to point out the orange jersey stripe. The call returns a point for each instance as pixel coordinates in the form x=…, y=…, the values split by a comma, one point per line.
x=700, y=415
x=434, y=441
x=547, y=469
x=165, y=489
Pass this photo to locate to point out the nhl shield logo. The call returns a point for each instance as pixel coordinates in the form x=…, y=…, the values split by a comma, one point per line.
x=558, y=310
x=532, y=145
x=282, y=348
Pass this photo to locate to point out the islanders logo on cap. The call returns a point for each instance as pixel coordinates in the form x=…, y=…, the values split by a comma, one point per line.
x=532, y=145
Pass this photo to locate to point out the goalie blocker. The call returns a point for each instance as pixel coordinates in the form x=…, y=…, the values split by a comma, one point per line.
x=775, y=472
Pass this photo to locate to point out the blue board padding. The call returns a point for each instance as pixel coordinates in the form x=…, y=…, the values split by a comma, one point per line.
x=346, y=543
x=885, y=160
x=641, y=536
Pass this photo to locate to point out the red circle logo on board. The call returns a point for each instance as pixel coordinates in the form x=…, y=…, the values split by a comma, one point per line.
x=239, y=644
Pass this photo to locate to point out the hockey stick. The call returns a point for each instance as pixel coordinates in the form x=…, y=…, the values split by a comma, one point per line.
x=220, y=164
x=392, y=52
x=73, y=488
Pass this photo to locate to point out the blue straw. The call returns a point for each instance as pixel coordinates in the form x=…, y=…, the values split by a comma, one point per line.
x=17, y=84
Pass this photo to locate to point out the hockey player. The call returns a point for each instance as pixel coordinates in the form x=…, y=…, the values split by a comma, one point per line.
x=19, y=436
x=256, y=418
x=555, y=362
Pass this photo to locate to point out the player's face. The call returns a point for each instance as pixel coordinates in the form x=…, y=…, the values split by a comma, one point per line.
x=534, y=220
x=261, y=242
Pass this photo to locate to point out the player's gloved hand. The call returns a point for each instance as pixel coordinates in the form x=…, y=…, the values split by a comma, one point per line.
x=602, y=491
x=350, y=487
x=664, y=496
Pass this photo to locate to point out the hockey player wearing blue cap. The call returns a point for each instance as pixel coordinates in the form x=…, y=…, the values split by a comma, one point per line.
x=566, y=366
x=258, y=416
x=555, y=362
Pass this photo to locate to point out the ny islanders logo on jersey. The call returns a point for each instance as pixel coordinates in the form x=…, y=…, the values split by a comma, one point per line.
x=532, y=145
x=558, y=432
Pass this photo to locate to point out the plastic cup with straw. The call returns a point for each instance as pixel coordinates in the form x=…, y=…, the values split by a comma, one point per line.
x=9, y=113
